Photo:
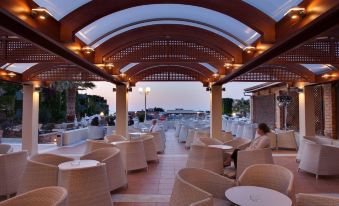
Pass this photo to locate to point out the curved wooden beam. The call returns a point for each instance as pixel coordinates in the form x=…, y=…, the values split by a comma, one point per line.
x=191, y=33
x=203, y=71
x=97, y=9
x=159, y=69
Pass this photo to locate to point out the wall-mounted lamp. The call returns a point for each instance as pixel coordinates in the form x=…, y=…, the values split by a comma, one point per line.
x=87, y=50
x=250, y=49
x=296, y=13
x=328, y=76
x=109, y=65
x=41, y=13
x=37, y=89
x=208, y=89
x=296, y=89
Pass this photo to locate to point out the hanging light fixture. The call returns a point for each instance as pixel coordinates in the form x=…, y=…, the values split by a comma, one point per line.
x=87, y=50
x=296, y=13
x=41, y=13
x=250, y=49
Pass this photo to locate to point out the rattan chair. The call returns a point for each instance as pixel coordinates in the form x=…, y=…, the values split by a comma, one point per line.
x=271, y=176
x=133, y=155
x=41, y=171
x=114, y=138
x=86, y=186
x=286, y=139
x=183, y=133
x=177, y=129
x=5, y=148
x=210, y=141
x=318, y=140
x=115, y=170
x=190, y=138
x=12, y=166
x=238, y=143
x=317, y=199
x=206, y=158
x=199, y=187
x=47, y=196
x=159, y=142
x=247, y=158
x=319, y=159
x=92, y=145
x=149, y=148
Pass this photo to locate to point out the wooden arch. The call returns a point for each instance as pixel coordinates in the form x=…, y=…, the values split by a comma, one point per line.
x=148, y=32
x=97, y=9
x=168, y=73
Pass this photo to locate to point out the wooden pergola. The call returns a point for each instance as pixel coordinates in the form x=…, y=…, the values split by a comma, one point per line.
x=166, y=48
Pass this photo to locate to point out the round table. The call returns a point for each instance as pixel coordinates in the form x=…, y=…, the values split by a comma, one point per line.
x=221, y=146
x=118, y=142
x=256, y=196
x=78, y=164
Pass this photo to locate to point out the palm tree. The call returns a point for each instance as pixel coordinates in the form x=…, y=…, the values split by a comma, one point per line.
x=71, y=89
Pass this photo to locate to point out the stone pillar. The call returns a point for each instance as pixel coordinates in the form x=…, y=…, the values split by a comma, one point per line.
x=121, y=110
x=252, y=109
x=306, y=112
x=216, y=111
x=30, y=119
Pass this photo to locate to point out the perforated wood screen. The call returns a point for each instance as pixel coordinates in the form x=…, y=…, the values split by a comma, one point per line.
x=167, y=50
x=15, y=50
x=271, y=74
x=292, y=112
x=317, y=52
x=318, y=109
x=264, y=109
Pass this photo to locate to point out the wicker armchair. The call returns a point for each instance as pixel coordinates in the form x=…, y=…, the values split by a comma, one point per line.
x=318, y=140
x=238, y=143
x=86, y=186
x=41, y=171
x=12, y=166
x=234, y=127
x=92, y=145
x=225, y=137
x=319, y=159
x=115, y=170
x=206, y=158
x=177, y=129
x=249, y=131
x=210, y=141
x=286, y=139
x=159, y=142
x=183, y=133
x=271, y=176
x=149, y=148
x=317, y=199
x=199, y=187
x=47, y=196
x=114, y=138
x=190, y=138
x=133, y=155
x=251, y=157
x=273, y=139
x=5, y=148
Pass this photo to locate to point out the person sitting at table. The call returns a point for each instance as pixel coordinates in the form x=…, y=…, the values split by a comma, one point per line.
x=154, y=127
x=261, y=141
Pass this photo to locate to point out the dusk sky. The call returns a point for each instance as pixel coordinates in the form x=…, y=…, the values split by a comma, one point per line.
x=169, y=95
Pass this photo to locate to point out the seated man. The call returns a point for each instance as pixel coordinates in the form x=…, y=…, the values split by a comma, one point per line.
x=260, y=142
x=154, y=127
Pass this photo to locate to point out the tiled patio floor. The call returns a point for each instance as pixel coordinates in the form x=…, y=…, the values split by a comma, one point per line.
x=154, y=187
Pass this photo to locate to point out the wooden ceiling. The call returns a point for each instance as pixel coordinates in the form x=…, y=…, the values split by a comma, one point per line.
x=168, y=52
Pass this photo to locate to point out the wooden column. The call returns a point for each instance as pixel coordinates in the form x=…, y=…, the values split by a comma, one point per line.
x=30, y=119
x=216, y=111
x=306, y=112
x=121, y=110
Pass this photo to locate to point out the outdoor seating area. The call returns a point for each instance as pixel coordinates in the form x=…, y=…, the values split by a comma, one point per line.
x=169, y=103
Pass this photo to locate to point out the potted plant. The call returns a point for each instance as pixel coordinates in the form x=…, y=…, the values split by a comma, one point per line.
x=110, y=125
x=94, y=131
